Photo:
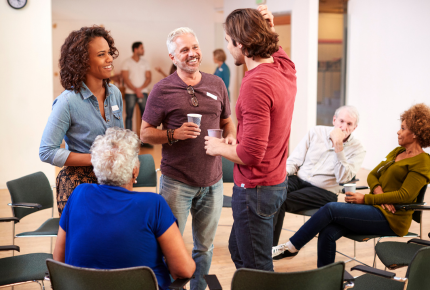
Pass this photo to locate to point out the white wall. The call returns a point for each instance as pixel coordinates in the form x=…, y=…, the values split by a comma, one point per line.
x=26, y=87
x=388, y=68
x=132, y=20
x=304, y=48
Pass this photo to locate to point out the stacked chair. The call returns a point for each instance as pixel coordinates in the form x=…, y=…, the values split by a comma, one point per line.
x=29, y=194
x=417, y=275
x=147, y=173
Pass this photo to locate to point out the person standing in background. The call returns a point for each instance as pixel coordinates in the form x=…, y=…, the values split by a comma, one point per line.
x=137, y=77
x=222, y=70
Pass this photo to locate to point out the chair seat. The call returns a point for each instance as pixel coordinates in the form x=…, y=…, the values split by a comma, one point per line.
x=369, y=281
x=308, y=212
x=23, y=268
x=365, y=238
x=226, y=201
x=48, y=228
x=396, y=254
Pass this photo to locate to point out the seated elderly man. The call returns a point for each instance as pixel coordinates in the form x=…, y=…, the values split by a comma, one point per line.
x=325, y=157
x=108, y=226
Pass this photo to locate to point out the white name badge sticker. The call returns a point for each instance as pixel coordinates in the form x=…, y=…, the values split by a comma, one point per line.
x=115, y=108
x=210, y=95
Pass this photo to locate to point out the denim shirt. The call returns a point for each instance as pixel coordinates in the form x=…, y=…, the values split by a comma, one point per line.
x=76, y=118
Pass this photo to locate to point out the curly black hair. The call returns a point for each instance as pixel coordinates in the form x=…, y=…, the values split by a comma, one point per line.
x=249, y=28
x=417, y=119
x=74, y=60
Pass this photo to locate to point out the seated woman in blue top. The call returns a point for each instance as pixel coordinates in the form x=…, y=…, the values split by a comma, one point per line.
x=88, y=106
x=108, y=226
x=222, y=70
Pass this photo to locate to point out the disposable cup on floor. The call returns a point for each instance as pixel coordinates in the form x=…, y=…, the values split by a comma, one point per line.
x=215, y=133
x=349, y=187
x=195, y=118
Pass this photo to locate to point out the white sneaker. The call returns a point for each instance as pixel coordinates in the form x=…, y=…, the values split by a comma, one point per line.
x=278, y=250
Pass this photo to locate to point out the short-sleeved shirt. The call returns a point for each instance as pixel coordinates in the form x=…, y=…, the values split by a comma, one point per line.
x=264, y=112
x=136, y=73
x=109, y=227
x=168, y=104
x=76, y=118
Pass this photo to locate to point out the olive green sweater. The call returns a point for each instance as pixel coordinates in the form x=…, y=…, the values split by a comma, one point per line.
x=401, y=182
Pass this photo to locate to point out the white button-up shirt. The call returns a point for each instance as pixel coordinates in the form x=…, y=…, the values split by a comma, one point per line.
x=315, y=161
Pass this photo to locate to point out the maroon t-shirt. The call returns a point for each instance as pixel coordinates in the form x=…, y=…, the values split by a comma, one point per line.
x=264, y=111
x=168, y=104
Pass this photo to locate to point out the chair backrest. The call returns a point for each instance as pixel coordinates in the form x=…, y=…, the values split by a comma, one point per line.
x=227, y=170
x=66, y=277
x=147, y=175
x=329, y=277
x=33, y=188
x=416, y=216
x=418, y=271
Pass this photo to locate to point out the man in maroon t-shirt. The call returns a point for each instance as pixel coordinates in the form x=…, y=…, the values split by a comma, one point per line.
x=264, y=111
x=191, y=180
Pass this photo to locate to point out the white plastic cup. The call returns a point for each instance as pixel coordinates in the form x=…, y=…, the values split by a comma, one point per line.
x=349, y=187
x=215, y=133
x=195, y=118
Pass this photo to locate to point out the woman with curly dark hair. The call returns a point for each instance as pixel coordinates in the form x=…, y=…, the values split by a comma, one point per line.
x=396, y=180
x=88, y=106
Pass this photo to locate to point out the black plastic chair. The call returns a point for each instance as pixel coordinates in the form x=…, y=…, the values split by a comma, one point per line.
x=395, y=255
x=417, y=216
x=147, y=173
x=30, y=194
x=329, y=277
x=23, y=269
x=417, y=277
x=227, y=177
x=66, y=277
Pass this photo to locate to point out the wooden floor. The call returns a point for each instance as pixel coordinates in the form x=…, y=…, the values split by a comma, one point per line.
x=222, y=265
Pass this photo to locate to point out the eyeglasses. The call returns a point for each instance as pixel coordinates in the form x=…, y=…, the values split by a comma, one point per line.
x=194, y=100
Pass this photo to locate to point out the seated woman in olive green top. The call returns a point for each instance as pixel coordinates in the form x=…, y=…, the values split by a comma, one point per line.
x=396, y=180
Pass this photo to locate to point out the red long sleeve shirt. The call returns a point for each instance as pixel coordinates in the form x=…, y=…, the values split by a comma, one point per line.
x=264, y=111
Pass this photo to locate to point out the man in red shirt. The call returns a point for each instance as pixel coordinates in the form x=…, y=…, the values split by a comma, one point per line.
x=264, y=111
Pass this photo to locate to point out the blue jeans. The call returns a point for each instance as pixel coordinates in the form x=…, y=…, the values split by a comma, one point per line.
x=251, y=237
x=130, y=102
x=337, y=219
x=205, y=204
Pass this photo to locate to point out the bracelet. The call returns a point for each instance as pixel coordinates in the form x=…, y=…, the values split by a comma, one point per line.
x=170, y=139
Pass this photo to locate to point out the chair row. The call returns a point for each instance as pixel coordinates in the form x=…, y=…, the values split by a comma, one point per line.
x=25, y=268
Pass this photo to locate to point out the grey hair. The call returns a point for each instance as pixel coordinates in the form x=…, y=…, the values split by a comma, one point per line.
x=352, y=112
x=114, y=155
x=171, y=45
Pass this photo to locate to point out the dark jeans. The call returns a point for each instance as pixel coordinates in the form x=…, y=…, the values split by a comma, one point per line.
x=130, y=102
x=250, y=242
x=301, y=195
x=337, y=219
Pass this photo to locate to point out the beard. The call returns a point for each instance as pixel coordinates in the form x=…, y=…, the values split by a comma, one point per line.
x=183, y=65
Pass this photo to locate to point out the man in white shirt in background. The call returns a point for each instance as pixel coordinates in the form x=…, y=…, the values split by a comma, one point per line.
x=137, y=77
x=325, y=157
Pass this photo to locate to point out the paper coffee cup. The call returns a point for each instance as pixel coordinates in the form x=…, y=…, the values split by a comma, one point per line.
x=349, y=187
x=215, y=133
x=195, y=118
